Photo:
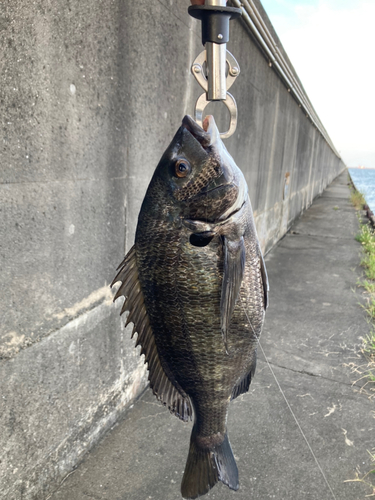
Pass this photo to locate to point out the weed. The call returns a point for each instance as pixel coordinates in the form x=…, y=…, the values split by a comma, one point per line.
x=366, y=477
x=366, y=237
x=370, y=307
x=369, y=347
x=357, y=199
x=369, y=286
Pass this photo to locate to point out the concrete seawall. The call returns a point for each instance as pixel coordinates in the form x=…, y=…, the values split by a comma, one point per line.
x=91, y=94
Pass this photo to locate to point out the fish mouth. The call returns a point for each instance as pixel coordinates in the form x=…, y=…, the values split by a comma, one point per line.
x=216, y=220
x=203, y=135
x=204, y=192
x=234, y=212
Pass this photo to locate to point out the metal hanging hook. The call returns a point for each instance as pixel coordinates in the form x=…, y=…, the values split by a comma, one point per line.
x=233, y=69
x=222, y=67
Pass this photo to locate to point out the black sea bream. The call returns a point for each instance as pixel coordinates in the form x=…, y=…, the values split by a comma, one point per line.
x=196, y=290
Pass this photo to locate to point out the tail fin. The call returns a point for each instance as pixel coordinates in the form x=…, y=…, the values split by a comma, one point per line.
x=206, y=466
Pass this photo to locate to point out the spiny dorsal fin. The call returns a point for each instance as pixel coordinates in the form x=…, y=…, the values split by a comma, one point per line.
x=234, y=267
x=173, y=397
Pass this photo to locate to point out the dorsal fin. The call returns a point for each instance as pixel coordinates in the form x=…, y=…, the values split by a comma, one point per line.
x=168, y=392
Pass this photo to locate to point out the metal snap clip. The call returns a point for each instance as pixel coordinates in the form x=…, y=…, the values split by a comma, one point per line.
x=232, y=71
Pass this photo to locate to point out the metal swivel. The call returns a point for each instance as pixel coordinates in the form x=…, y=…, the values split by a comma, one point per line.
x=221, y=67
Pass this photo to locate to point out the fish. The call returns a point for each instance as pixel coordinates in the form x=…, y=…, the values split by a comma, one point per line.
x=196, y=290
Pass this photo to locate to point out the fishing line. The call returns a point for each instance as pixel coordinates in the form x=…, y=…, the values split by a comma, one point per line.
x=290, y=408
x=284, y=396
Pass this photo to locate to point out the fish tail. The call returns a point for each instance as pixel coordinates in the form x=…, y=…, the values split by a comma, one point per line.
x=207, y=464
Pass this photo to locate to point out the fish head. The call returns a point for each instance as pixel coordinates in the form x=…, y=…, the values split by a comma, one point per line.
x=202, y=179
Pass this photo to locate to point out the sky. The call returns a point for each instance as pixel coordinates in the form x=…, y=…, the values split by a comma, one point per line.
x=331, y=44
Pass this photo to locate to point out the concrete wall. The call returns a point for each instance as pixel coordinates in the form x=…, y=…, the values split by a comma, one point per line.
x=91, y=93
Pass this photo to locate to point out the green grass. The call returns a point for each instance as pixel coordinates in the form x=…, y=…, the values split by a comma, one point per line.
x=366, y=237
x=368, y=348
x=369, y=286
x=357, y=199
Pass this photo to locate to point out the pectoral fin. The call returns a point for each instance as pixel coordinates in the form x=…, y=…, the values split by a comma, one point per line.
x=266, y=286
x=167, y=391
x=234, y=267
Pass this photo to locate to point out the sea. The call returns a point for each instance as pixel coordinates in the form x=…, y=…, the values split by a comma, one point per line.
x=364, y=181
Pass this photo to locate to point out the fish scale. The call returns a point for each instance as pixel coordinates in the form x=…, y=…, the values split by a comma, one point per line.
x=196, y=290
x=199, y=375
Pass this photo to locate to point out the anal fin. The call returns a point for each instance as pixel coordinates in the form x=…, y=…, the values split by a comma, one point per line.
x=244, y=384
x=168, y=392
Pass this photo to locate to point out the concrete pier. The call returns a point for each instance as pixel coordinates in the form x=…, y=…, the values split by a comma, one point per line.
x=303, y=430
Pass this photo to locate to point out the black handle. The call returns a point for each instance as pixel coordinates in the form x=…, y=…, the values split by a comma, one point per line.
x=215, y=21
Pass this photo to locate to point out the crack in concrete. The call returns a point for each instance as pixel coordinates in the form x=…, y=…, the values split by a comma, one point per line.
x=304, y=372
x=297, y=233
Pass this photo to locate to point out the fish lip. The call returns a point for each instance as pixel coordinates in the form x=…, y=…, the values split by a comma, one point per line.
x=203, y=137
x=233, y=213
x=200, y=195
x=218, y=220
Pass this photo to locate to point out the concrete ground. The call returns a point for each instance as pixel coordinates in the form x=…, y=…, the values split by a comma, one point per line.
x=303, y=430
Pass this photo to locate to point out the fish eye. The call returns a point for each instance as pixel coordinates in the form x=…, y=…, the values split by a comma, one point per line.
x=182, y=168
